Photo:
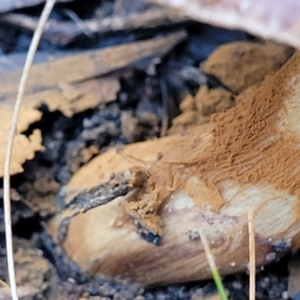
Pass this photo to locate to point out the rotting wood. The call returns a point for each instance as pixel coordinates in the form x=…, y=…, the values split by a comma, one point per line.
x=70, y=84
x=205, y=179
x=276, y=20
x=65, y=32
x=25, y=148
x=118, y=185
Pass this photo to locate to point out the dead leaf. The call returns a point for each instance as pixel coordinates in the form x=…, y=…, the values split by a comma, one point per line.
x=275, y=20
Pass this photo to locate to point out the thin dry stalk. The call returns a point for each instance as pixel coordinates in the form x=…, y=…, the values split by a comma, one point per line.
x=212, y=266
x=13, y=126
x=251, y=254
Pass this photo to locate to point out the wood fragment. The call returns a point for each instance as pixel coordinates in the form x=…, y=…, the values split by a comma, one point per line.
x=83, y=66
x=24, y=149
x=119, y=185
x=205, y=178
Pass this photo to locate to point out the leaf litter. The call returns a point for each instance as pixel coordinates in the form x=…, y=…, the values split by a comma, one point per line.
x=54, y=85
x=81, y=115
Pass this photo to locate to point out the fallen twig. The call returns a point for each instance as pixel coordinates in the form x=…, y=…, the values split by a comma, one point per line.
x=64, y=32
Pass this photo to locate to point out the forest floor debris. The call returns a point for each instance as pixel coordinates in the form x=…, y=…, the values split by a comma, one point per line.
x=131, y=110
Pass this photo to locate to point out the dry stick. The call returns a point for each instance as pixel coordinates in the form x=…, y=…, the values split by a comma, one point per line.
x=13, y=126
x=140, y=20
x=251, y=254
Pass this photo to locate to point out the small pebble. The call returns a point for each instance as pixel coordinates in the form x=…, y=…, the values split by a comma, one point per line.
x=237, y=285
x=271, y=256
x=285, y=295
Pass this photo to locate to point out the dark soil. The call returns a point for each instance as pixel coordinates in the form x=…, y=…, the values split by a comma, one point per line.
x=141, y=100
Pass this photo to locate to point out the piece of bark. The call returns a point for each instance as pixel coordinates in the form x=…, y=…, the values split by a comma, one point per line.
x=69, y=99
x=83, y=66
x=65, y=32
x=70, y=84
x=24, y=147
x=15, y=61
x=275, y=20
x=205, y=178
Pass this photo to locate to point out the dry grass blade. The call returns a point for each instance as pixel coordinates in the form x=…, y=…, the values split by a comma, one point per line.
x=212, y=266
x=251, y=254
x=6, y=180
